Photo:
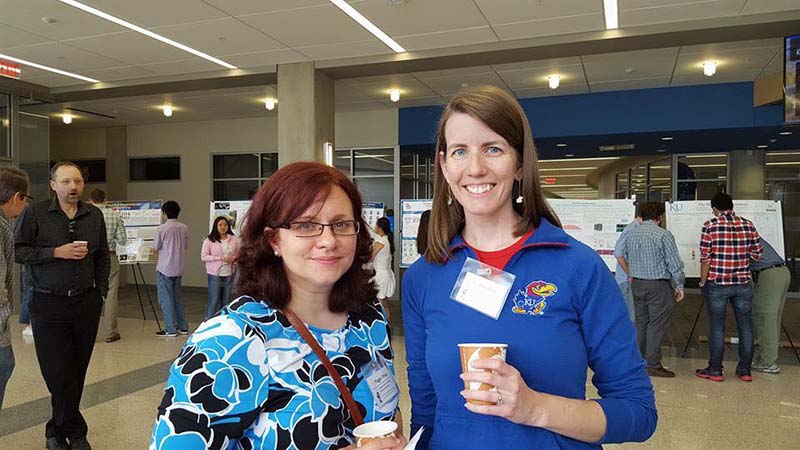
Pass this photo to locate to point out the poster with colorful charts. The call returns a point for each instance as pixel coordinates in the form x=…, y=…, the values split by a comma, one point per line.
x=410, y=212
x=372, y=211
x=234, y=211
x=596, y=223
x=685, y=222
x=141, y=219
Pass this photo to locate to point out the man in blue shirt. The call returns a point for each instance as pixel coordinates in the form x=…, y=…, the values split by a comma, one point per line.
x=650, y=257
x=620, y=274
x=772, y=282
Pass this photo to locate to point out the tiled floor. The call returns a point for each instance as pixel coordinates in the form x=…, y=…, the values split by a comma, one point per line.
x=125, y=381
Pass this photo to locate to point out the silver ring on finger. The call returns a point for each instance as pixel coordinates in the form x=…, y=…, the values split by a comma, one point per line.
x=499, y=398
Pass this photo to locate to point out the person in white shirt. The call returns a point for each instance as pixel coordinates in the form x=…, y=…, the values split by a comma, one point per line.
x=382, y=251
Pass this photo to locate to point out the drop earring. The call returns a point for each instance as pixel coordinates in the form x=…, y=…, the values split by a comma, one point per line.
x=519, y=197
x=449, y=196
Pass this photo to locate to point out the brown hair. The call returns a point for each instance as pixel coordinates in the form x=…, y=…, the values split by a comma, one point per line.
x=501, y=112
x=98, y=196
x=287, y=194
x=12, y=181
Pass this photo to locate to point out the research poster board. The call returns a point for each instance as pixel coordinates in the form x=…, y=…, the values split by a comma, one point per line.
x=410, y=212
x=596, y=223
x=685, y=222
x=372, y=211
x=235, y=211
x=141, y=219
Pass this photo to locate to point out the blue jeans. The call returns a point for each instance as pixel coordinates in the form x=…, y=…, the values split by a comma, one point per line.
x=716, y=298
x=27, y=294
x=627, y=294
x=6, y=367
x=219, y=293
x=169, y=297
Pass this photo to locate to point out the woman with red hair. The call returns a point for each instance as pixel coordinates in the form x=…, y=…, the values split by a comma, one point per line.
x=303, y=356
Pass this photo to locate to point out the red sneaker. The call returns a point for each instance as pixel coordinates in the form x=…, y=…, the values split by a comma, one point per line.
x=710, y=374
x=745, y=376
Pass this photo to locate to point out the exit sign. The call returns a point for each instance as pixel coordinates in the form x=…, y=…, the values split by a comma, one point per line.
x=10, y=70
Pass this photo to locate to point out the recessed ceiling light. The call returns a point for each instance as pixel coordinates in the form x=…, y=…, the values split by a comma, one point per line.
x=147, y=33
x=364, y=22
x=709, y=68
x=67, y=118
x=773, y=140
x=394, y=95
x=610, y=10
x=569, y=155
x=167, y=110
x=49, y=69
x=553, y=81
x=666, y=138
x=661, y=150
x=561, y=144
x=761, y=146
x=269, y=103
x=785, y=133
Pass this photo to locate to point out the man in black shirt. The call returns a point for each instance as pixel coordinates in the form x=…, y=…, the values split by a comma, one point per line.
x=63, y=241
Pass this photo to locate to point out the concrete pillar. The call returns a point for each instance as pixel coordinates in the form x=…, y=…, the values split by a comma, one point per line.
x=747, y=174
x=305, y=113
x=117, y=163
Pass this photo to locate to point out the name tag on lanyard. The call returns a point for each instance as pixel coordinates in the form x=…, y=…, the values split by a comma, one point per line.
x=482, y=287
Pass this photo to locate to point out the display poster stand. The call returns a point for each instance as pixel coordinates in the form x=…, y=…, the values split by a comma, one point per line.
x=697, y=318
x=143, y=287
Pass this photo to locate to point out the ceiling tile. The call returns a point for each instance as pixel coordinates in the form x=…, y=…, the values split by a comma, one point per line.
x=63, y=56
x=69, y=22
x=547, y=92
x=267, y=58
x=514, y=11
x=178, y=67
x=398, y=78
x=119, y=73
x=641, y=64
x=153, y=13
x=634, y=13
x=220, y=37
x=11, y=37
x=443, y=39
x=294, y=27
x=550, y=27
x=551, y=64
x=241, y=7
x=349, y=94
x=362, y=106
x=449, y=85
x=345, y=50
x=419, y=17
x=537, y=77
x=419, y=101
x=134, y=48
x=635, y=83
x=766, y=6
x=409, y=89
x=709, y=49
x=732, y=65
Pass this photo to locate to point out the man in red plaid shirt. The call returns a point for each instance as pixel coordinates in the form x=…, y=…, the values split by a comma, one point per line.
x=728, y=244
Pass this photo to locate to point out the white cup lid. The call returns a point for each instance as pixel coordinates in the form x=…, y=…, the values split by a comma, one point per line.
x=373, y=429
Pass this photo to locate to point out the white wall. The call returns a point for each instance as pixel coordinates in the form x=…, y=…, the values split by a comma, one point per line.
x=194, y=142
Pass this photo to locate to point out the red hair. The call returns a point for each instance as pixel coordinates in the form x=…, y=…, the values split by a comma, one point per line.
x=287, y=194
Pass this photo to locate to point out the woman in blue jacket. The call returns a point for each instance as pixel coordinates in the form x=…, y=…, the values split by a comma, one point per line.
x=562, y=315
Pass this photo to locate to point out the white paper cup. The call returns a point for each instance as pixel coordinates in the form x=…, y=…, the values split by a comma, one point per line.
x=371, y=431
x=82, y=243
x=475, y=351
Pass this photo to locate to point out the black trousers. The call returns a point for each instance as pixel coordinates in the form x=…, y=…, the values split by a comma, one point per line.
x=64, y=331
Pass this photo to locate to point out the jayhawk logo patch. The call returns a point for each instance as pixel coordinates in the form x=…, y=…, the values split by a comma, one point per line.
x=533, y=299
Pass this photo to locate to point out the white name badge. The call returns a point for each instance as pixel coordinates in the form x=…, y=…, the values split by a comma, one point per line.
x=482, y=287
x=385, y=392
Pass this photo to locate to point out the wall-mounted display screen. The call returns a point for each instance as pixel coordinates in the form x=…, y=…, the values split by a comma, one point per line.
x=791, y=80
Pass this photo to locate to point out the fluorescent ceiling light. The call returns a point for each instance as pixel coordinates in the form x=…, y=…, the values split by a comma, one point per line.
x=785, y=133
x=561, y=144
x=49, y=69
x=785, y=163
x=704, y=156
x=364, y=22
x=559, y=169
x=607, y=158
x=612, y=14
x=147, y=33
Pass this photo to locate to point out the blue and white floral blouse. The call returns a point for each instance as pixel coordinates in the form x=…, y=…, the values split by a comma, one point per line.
x=247, y=380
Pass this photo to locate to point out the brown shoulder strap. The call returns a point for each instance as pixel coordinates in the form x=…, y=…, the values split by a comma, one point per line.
x=347, y=396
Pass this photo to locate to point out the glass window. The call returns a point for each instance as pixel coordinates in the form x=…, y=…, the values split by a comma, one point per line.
x=639, y=183
x=243, y=165
x=701, y=176
x=782, y=174
x=659, y=181
x=93, y=170
x=341, y=160
x=235, y=190
x=5, y=126
x=373, y=162
x=269, y=164
x=407, y=177
x=155, y=169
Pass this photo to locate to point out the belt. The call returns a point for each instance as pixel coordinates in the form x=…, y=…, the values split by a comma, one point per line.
x=647, y=279
x=69, y=293
x=770, y=267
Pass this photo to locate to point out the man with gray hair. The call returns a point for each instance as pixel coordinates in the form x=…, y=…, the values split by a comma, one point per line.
x=13, y=200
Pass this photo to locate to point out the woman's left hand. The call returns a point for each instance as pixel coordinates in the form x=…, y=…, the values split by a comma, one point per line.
x=512, y=399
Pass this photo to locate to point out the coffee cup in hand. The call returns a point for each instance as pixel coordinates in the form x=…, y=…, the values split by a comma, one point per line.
x=372, y=431
x=473, y=352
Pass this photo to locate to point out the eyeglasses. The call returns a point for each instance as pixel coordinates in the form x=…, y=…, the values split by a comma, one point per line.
x=27, y=197
x=314, y=229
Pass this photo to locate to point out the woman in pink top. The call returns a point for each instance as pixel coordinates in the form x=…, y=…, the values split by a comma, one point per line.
x=219, y=253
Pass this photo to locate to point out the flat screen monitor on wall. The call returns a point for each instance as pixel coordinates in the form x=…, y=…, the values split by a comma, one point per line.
x=791, y=80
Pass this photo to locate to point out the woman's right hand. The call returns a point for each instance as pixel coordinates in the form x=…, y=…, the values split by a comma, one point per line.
x=390, y=443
